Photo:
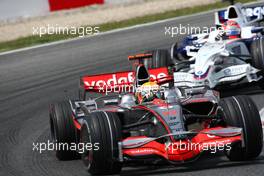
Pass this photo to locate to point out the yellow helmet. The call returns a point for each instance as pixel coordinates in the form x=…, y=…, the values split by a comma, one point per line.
x=148, y=92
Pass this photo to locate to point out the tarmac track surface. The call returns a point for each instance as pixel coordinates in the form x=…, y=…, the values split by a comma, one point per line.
x=31, y=80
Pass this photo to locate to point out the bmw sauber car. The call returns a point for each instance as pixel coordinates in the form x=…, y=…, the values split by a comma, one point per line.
x=223, y=62
x=248, y=18
x=175, y=128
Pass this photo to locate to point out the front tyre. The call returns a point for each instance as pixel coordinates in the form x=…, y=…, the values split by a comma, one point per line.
x=241, y=111
x=102, y=129
x=63, y=131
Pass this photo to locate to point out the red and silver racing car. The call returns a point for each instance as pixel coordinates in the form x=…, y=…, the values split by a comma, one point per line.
x=148, y=121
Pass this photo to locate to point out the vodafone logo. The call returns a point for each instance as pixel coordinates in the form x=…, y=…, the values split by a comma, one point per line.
x=142, y=151
x=116, y=79
x=112, y=79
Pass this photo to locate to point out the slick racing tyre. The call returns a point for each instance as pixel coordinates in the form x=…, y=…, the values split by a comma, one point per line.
x=63, y=131
x=240, y=111
x=160, y=58
x=257, y=52
x=102, y=129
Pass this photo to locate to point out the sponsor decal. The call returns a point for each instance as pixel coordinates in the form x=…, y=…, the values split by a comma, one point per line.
x=253, y=12
x=142, y=151
x=170, y=112
x=111, y=79
x=121, y=78
x=227, y=71
x=172, y=116
x=235, y=70
x=182, y=76
x=199, y=73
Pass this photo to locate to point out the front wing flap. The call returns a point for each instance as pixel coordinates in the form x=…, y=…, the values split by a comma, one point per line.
x=174, y=150
x=229, y=74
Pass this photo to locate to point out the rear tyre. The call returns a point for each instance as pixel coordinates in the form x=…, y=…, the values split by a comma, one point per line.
x=160, y=58
x=257, y=52
x=63, y=130
x=102, y=129
x=240, y=111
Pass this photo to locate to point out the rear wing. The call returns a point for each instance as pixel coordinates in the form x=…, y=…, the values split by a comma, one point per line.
x=244, y=16
x=140, y=56
x=121, y=81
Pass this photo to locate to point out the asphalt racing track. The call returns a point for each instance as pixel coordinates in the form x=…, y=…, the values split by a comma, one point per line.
x=32, y=79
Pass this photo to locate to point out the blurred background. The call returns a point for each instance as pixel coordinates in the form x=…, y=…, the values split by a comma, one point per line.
x=19, y=18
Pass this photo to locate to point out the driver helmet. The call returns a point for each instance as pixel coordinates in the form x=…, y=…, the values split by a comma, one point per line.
x=148, y=92
x=232, y=29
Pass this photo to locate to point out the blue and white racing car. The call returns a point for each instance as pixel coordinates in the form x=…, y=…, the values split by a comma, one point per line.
x=248, y=19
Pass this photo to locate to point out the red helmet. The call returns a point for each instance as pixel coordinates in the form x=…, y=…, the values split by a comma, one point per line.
x=232, y=29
